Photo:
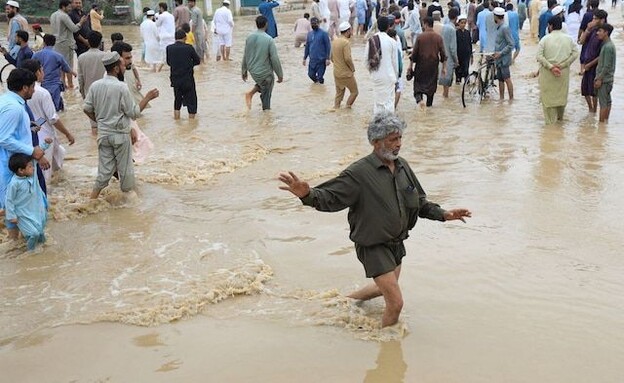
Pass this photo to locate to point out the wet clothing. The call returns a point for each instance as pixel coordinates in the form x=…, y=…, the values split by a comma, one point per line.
x=15, y=136
x=42, y=106
x=149, y=33
x=504, y=46
x=84, y=31
x=427, y=55
x=555, y=49
x=318, y=49
x=386, y=75
x=543, y=23
x=182, y=58
x=383, y=207
x=266, y=9
x=481, y=24
x=111, y=102
x=181, y=15
x=261, y=60
x=90, y=69
x=605, y=71
x=53, y=64
x=24, y=53
x=198, y=29
x=464, y=53
x=63, y=28
x=26, y=202
x=590, y=51
x=449, y=36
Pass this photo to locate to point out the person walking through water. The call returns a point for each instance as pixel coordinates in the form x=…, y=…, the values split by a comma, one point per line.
x=182, y=58
x=266, y=9
x=261, y=60
x=385, y=201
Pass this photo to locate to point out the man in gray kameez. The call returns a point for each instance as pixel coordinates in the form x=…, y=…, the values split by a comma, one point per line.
x=385, y=200
x=261, y=60
x=197, y=28
x=64, y=28
x=111, y=105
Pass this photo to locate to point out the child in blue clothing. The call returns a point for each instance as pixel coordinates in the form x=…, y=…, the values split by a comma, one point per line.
x=26, y=204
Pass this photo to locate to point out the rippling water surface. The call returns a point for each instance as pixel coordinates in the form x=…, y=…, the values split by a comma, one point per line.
x=227, y=278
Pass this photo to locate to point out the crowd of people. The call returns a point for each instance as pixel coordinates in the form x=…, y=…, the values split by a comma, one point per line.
x=406, y=41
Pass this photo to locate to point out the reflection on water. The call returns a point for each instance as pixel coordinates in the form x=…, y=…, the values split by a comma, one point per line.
x=390, y=364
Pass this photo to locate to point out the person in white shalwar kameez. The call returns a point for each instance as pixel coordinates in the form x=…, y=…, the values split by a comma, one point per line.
x=385, y=77
x=149, y=33
x=166, y=30
x=325, y=14
x=42, y=107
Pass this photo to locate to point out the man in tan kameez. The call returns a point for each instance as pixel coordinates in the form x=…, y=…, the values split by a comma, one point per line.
x=556, y=51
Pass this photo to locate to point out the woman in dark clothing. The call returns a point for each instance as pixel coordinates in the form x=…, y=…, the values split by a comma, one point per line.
x=464, y=49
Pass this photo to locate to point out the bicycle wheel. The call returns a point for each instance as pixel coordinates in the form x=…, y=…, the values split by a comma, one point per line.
x=4, y=72
x=471, y=91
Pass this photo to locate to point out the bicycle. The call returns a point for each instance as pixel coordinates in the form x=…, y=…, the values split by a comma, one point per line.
x=479, y=85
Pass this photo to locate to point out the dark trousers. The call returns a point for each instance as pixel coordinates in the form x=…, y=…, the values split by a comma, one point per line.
x=265, y=87
x=316, y=70
x=419, y=98
x=185, y=94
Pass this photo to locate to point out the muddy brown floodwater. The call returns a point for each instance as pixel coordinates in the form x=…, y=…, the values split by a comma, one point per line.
x=210, y=273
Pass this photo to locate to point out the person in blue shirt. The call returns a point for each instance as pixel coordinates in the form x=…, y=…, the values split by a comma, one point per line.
x=15, y=133
x=514, y=27
x=26, y=204
x=502, y=53
x=53, y=64
x=266, y=9
x=481, y=24
x=17, y=22
x=318, y=48
x=545, y=18
x=24, y=52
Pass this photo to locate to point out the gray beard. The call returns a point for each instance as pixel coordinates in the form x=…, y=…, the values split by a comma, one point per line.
x=388, y=155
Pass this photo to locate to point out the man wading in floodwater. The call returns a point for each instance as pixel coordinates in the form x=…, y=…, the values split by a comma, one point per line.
x=385, y=200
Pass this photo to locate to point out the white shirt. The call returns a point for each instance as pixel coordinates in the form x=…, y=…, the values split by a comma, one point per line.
x=224, y=22
x=388, y=70
x=166, y=25
x=42, y=106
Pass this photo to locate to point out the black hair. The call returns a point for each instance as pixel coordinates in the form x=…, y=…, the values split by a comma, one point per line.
x=383, y=23
x=556, y=23
x=121, y=47
x=607, y=28
x=95, y=39
x=261, y=22
x=32, y=65
x=509, y=7
x=22, y=35
x=19, y=78
x=145, y=9
x=306, y=15
x=49, y=40
x=453, y=13
x=116, y=37
x=601, y=14
x=428, y=21
x=185, y=27
x=163, y=6
x=64, y=3
x=180, y=34
x=19, y=161
x=552, y=3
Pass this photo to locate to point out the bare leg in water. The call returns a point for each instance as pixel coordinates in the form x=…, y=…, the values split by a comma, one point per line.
x=386, y=285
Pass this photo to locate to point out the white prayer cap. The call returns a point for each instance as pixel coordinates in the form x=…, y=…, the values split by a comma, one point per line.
x=226, y=2
x=110, y=58
x=13, y=3
x=557, y=10
x=344, y=26
x=498, y=11
x=462, y=17
x=150, y=12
